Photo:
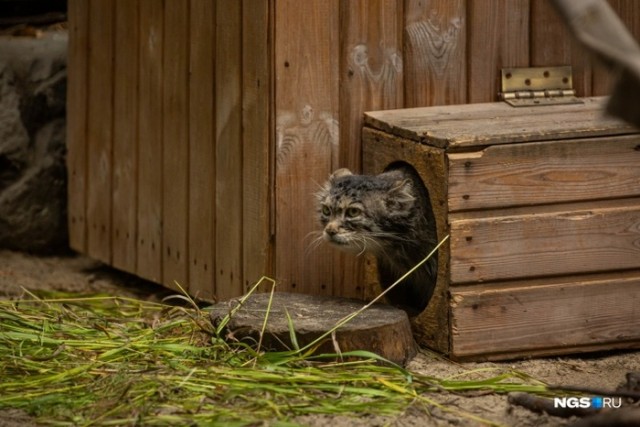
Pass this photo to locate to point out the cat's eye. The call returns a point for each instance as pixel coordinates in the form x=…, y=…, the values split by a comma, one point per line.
x=325, y=210
x=353, y=212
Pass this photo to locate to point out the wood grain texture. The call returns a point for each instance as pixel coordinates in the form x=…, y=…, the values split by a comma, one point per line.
x=125, y=137
x=150, y=95
x=380, y=149
x=553, y=44
x=258, y=140
x=77, y=74
x=498, y=37
x=228, y=134
x=371, y=74
x=307, y=136
x=100, y=129
x=435, y=53
x=202, y=163
x=175, y=144
x=460, y=127
x=597, y=238
x=546, y=318
x=544, y=173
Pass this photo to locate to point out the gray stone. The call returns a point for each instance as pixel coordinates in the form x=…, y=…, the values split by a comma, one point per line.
x=33, y=183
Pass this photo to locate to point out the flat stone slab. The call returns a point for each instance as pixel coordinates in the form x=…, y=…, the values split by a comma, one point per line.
x=380, y=329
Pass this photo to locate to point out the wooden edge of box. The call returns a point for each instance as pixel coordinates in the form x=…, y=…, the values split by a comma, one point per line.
x=431, y=328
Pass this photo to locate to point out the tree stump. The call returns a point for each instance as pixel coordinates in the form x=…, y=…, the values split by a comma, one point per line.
x=380, y=329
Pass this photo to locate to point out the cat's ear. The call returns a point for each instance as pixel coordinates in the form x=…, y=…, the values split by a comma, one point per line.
x=339, y=173
x=401, y=194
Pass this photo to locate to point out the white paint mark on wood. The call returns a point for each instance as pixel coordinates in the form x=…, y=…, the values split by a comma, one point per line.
x=305, y=127
x=432, y=43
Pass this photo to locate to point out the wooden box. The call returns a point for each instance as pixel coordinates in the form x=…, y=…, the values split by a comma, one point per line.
x=542, y=206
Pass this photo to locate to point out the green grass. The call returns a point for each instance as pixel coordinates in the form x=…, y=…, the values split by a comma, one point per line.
x=103, y=360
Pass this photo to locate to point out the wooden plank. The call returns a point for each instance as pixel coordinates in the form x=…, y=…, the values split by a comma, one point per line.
x=599, y=237
x=435, y=52
x=371, y=79
x=552, y=44
x=125, y=137
x=463, y=126
x=201, y=150
x=258, y=140
x=228, y=119
x=100, y=129
x=175, y=144
x=562, y=316
x=77, y=69
x=306, y=98
x=149, y=263
x=544, y=172
x=498, y=38
x=431, y=327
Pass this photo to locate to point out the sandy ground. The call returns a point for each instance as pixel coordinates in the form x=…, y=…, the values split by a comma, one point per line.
x=80, y=274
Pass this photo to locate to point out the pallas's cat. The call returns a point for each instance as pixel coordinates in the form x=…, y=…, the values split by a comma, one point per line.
x=390, y=216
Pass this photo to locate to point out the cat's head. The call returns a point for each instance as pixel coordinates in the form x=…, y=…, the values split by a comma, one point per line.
x=365, y=213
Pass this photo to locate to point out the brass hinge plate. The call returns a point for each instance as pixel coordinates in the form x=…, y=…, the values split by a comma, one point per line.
x=525, y=87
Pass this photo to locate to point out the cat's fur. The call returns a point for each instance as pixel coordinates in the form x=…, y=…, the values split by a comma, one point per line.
x=390, y=216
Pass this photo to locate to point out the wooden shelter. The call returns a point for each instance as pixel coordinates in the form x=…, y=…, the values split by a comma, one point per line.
x=199, y=129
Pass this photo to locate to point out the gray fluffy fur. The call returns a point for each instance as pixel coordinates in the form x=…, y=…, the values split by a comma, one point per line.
x=390, y=216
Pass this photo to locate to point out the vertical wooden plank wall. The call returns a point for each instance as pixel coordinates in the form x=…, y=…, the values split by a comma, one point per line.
x=199, y=131
x=202, y=170
x=100, y=128
x=307, y=135
x=257, y=125
x=150, y=90
x=228, y=111
x=77, y=67
x=125, y=138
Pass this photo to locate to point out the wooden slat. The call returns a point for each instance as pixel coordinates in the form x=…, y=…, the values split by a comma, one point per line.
x=556, y=317
x=552, y=44
x=78, y=11
x=258, y=140
x=597, y=238
x=463, y=126
x=201, y=150
x=125, y=137
x=306, y=98
x=435, y=53
x=498, y=38
x=544, y=172
x=175, y=144
x=149, y=263
x=228, y=113
x=100, y=129
x=371, y=79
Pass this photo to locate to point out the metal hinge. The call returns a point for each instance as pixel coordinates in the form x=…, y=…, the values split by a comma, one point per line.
x=524, y=87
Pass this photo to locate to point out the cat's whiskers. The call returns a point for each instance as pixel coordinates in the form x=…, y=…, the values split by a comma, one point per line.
x=315, y=243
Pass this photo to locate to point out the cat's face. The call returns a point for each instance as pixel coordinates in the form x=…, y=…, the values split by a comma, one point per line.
x=362, y=213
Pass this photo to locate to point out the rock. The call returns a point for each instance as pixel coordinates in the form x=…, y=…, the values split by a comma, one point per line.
x=381, y=329
x=33, y=181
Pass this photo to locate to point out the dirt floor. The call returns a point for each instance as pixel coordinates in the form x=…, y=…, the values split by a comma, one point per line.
x=601, y=371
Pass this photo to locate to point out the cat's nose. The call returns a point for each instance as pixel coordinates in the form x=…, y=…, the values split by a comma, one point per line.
x=331, y=230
